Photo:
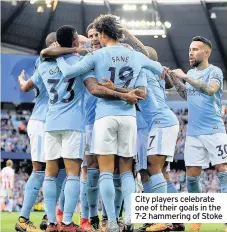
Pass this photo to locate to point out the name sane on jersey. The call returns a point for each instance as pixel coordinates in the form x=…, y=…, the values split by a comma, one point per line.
x=120, y=59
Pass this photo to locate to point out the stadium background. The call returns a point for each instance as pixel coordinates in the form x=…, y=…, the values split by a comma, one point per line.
x=166, y=25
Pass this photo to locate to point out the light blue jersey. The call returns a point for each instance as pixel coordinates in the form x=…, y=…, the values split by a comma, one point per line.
x=90, y=102
x=204, y=112
x=119, y=64
x=154, y=108
x=140, y=121
x=41, y=97
x=65, y=110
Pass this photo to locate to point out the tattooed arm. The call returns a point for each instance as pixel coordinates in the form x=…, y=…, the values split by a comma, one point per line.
x=103, y=92
x=136, y=44
x=209, y=89
x=132, y=40
x=139, y=91
x=206, y=88
x=179, y=85
x=169, y=82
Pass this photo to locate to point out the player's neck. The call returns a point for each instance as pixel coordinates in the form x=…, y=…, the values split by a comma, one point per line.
x=203, y=65
x=112, y=43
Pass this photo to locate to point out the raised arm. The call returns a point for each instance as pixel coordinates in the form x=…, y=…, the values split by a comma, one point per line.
x=209, y=88
x=133, y=41
x=103, y=92
x=179, y=85
x=25, y=85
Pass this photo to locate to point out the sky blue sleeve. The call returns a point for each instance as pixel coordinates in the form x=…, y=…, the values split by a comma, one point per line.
x=36, y=79
x=90, y=74
x=154, y=66
x=142, y=78
x=217, y=74
x=81, y=67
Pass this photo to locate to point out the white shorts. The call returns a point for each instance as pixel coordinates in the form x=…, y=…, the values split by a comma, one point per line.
x=64, y=143
x=115, y=135
x=88, y=138
x=203, y=149
x=36, y=132
x=141, y=144
x=162, y=141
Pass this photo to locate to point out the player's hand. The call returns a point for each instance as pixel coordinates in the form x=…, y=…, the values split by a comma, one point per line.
x=165, y=71
x=131, y=97
x=179, y=73
x=22, y=75
x=55, y=45
x=108, y=84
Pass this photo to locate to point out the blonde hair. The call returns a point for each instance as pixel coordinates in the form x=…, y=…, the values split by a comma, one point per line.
x=152, y=53
x=9, y=163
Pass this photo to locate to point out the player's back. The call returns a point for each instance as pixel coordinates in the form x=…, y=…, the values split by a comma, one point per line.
x=65, y=96
x=119, y=65
x=41, y=98
x=204, y=112
x=154, y=108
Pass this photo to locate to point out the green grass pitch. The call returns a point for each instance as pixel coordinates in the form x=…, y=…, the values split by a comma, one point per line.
x=8, y=222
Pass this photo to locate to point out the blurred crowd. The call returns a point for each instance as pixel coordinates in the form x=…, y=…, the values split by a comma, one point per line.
x=14, y=131
x=209, y=180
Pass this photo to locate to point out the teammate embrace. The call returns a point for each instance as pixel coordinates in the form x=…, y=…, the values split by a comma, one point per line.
x=101, y=95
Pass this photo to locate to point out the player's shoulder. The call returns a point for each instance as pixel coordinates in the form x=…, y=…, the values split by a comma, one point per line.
x=191, y=71
x=216, y=69
x=37, y=62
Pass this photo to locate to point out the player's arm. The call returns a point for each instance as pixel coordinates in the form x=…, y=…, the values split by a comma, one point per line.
x=209, y=88
x=179, y=85
x=25, y=85
x=169, y=82
x=140, y=90
x=154, y=66
x=133, y=41
x=81, y=67
x=57, y=51
x=103, y=92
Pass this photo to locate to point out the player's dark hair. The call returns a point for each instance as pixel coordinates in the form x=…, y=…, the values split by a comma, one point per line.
x=66, y=35
x=203, y=40
x=108, y=25
x=90, y=26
